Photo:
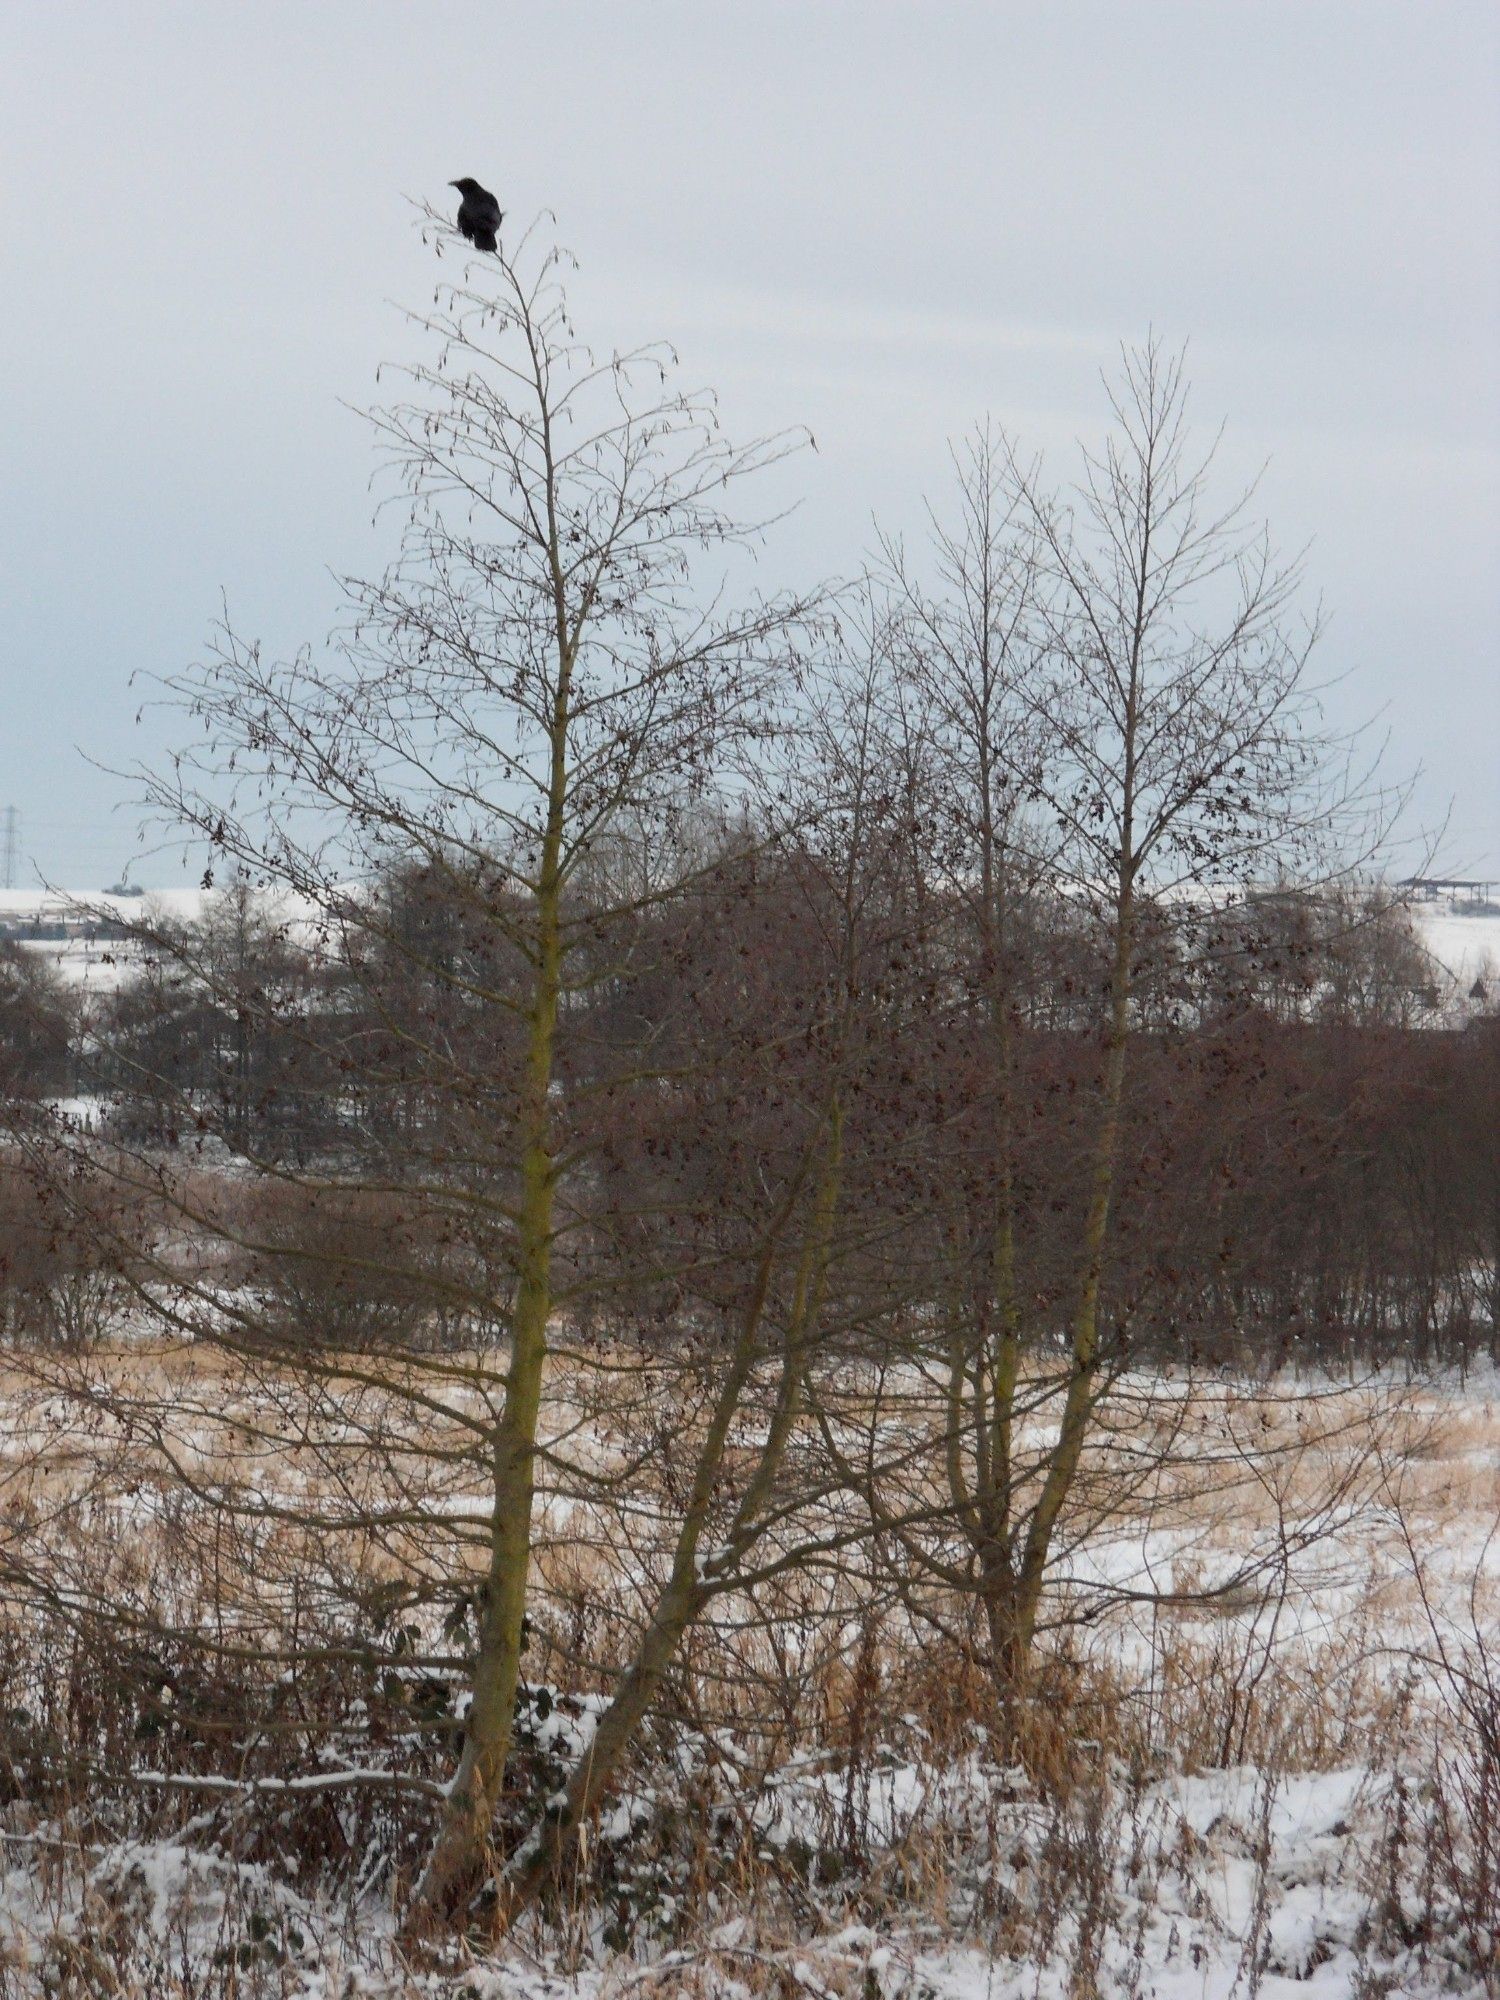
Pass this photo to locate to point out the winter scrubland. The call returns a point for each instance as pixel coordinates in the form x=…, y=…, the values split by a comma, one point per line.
x=1281, y=1777
x=778, y=1291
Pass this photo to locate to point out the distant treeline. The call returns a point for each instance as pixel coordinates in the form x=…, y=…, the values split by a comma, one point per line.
x=1309, y=1169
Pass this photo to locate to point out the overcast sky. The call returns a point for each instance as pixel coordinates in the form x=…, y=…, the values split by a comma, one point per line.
x=881, y=221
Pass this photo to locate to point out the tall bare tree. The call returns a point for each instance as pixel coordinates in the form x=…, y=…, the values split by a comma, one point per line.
x=1114, y=683
x=548, y=661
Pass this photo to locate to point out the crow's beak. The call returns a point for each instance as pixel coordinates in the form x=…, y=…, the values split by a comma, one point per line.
x=453, y=184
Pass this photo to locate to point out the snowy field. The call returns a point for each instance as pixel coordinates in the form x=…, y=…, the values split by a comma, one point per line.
x=1278, y=1791
x=72, y=929
x=1465, y=943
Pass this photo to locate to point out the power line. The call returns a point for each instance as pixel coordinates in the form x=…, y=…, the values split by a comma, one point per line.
x=10, y=848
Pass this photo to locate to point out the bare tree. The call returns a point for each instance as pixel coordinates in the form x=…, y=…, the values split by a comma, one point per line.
x=967, y=643
x=543, y=664
x=1181, y=757
x=1115, y=683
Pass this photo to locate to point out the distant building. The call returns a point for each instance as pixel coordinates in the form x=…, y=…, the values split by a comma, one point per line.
x=41, y=920
x=1429, y=888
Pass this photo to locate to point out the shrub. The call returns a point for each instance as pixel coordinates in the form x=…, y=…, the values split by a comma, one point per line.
x=70, y=1249
x=341, y=1267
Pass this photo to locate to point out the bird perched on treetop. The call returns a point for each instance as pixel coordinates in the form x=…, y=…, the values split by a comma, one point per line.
x=479, y=214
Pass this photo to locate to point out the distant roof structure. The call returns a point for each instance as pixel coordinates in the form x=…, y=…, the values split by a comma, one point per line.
x=1429, y=886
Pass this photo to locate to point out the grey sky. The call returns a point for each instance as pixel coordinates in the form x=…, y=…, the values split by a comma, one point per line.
x=882, y=221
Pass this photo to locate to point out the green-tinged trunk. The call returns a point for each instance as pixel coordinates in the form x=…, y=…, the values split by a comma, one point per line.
x=694, y=1576
x=1078, y=1403
x=996, y=1365
x=460, y=1856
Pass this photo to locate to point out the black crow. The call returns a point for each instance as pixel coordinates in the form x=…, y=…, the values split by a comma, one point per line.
x=479, y=214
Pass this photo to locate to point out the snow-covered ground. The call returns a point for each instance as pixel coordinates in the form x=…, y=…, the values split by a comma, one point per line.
x=76, y=930
x=1310, y=1858
x=1228, y=1884
x=1464, y=941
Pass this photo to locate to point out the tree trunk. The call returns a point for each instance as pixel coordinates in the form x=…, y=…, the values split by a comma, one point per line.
x=691, y=1584
x=1067, y=1453
x=460, y=1856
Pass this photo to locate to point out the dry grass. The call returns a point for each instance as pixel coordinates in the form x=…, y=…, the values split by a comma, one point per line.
x=286, y=1555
